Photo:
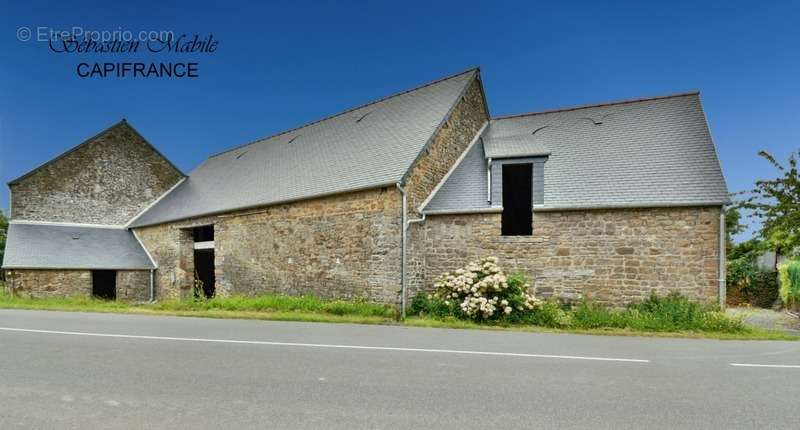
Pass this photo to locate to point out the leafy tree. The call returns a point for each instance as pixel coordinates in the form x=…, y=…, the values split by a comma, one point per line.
x=776, y=203
x=733, y=226
x=3, y=234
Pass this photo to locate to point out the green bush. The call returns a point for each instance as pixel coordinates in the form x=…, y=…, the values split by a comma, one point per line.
x=789, y=275
x=671, y=313
x=589, y=315
x=747, y=283
x=481, y=291
x=428, y=305
x=762, y=290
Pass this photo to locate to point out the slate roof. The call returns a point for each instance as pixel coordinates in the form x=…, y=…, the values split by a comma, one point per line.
x=466, y=187
x=369, y=146
x=497, y=145
x=640, y=153
x=47, y=246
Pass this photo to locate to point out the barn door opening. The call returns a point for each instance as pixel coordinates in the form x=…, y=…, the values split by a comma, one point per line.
x=517, y=198
x=204, y=270
x=204, y=260
x=104, y=284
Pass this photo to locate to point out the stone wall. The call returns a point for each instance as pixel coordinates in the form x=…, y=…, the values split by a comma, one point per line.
x=107, y=180
x=344, y=246
x=466, y=119
x=132, y=285
x=49, y=283
x=609, y=256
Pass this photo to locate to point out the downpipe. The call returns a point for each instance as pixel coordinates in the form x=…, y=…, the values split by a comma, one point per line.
x=723, y=288
x=403, y=238
x=152, y=286
x=406, y=223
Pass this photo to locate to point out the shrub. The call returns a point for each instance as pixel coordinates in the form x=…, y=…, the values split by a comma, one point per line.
x=762, y=290
x=677, y=313
x=483, y=293
x=547, y=314
x=428, y=305
x=747, y=283
x=480, y=291
x=590, y=315
x=672, y=312
x=789, y=275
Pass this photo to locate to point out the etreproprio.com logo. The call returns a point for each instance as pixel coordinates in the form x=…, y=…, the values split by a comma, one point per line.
x=78, y=40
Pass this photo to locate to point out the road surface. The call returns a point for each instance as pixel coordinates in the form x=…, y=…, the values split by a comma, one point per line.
x=83, y=370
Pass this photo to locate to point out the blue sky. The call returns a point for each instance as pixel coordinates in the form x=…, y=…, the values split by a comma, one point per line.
x=280, y=65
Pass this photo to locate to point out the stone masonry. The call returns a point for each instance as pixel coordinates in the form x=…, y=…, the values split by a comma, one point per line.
x=348, y=245
x=132, y=285
x=106, y=180
x=342, y=246
x=609, y=256
x=452, y=140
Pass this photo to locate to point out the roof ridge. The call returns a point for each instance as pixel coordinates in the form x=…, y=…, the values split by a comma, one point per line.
x=586, y=106
x=400, y=93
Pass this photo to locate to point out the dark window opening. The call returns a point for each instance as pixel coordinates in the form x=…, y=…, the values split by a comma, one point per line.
x=517, y=206
x=104, y=284
x=203, y=234
x=204, y=272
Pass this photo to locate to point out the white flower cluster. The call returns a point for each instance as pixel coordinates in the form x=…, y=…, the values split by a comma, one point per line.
x=481, y=290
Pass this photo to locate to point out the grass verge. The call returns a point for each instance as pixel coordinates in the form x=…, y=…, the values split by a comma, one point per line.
x=312, y=309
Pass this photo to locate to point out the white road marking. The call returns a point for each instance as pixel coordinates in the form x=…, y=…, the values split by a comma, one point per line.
x=784, y=366
x=322, y=345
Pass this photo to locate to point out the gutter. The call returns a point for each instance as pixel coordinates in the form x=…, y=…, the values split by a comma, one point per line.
x=643, y=205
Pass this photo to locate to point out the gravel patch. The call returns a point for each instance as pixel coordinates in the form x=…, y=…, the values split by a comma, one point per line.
x=767, y=319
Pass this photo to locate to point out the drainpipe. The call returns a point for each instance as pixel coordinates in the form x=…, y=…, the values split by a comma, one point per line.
x=402, y=253
x=152, y=285
x=414, y=221
x=489, y=179
x=722, y=287
x=406, y=224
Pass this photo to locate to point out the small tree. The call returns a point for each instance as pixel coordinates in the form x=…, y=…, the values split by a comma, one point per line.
x=776, y=203
x=733, y=226
x=3, y=234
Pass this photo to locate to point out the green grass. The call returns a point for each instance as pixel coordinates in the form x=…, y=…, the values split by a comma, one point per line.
x=750, y=333
x=668, y=319
x=271, y=307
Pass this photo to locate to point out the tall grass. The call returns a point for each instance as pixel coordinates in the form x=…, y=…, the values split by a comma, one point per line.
x=672, y=313
x=281, y=303
x=264, y=304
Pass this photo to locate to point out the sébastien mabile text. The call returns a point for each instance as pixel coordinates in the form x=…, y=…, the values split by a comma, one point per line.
x=179, y=45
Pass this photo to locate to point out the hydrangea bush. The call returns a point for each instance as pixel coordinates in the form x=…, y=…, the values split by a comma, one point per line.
x=482, y=291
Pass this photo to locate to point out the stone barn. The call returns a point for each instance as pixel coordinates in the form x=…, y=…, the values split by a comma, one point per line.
x=610, y=202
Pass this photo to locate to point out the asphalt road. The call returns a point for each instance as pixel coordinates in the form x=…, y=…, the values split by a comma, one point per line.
x=80, y=370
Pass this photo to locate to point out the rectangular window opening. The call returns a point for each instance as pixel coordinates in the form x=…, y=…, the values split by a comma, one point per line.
x=203, y=234
x=517, y=219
